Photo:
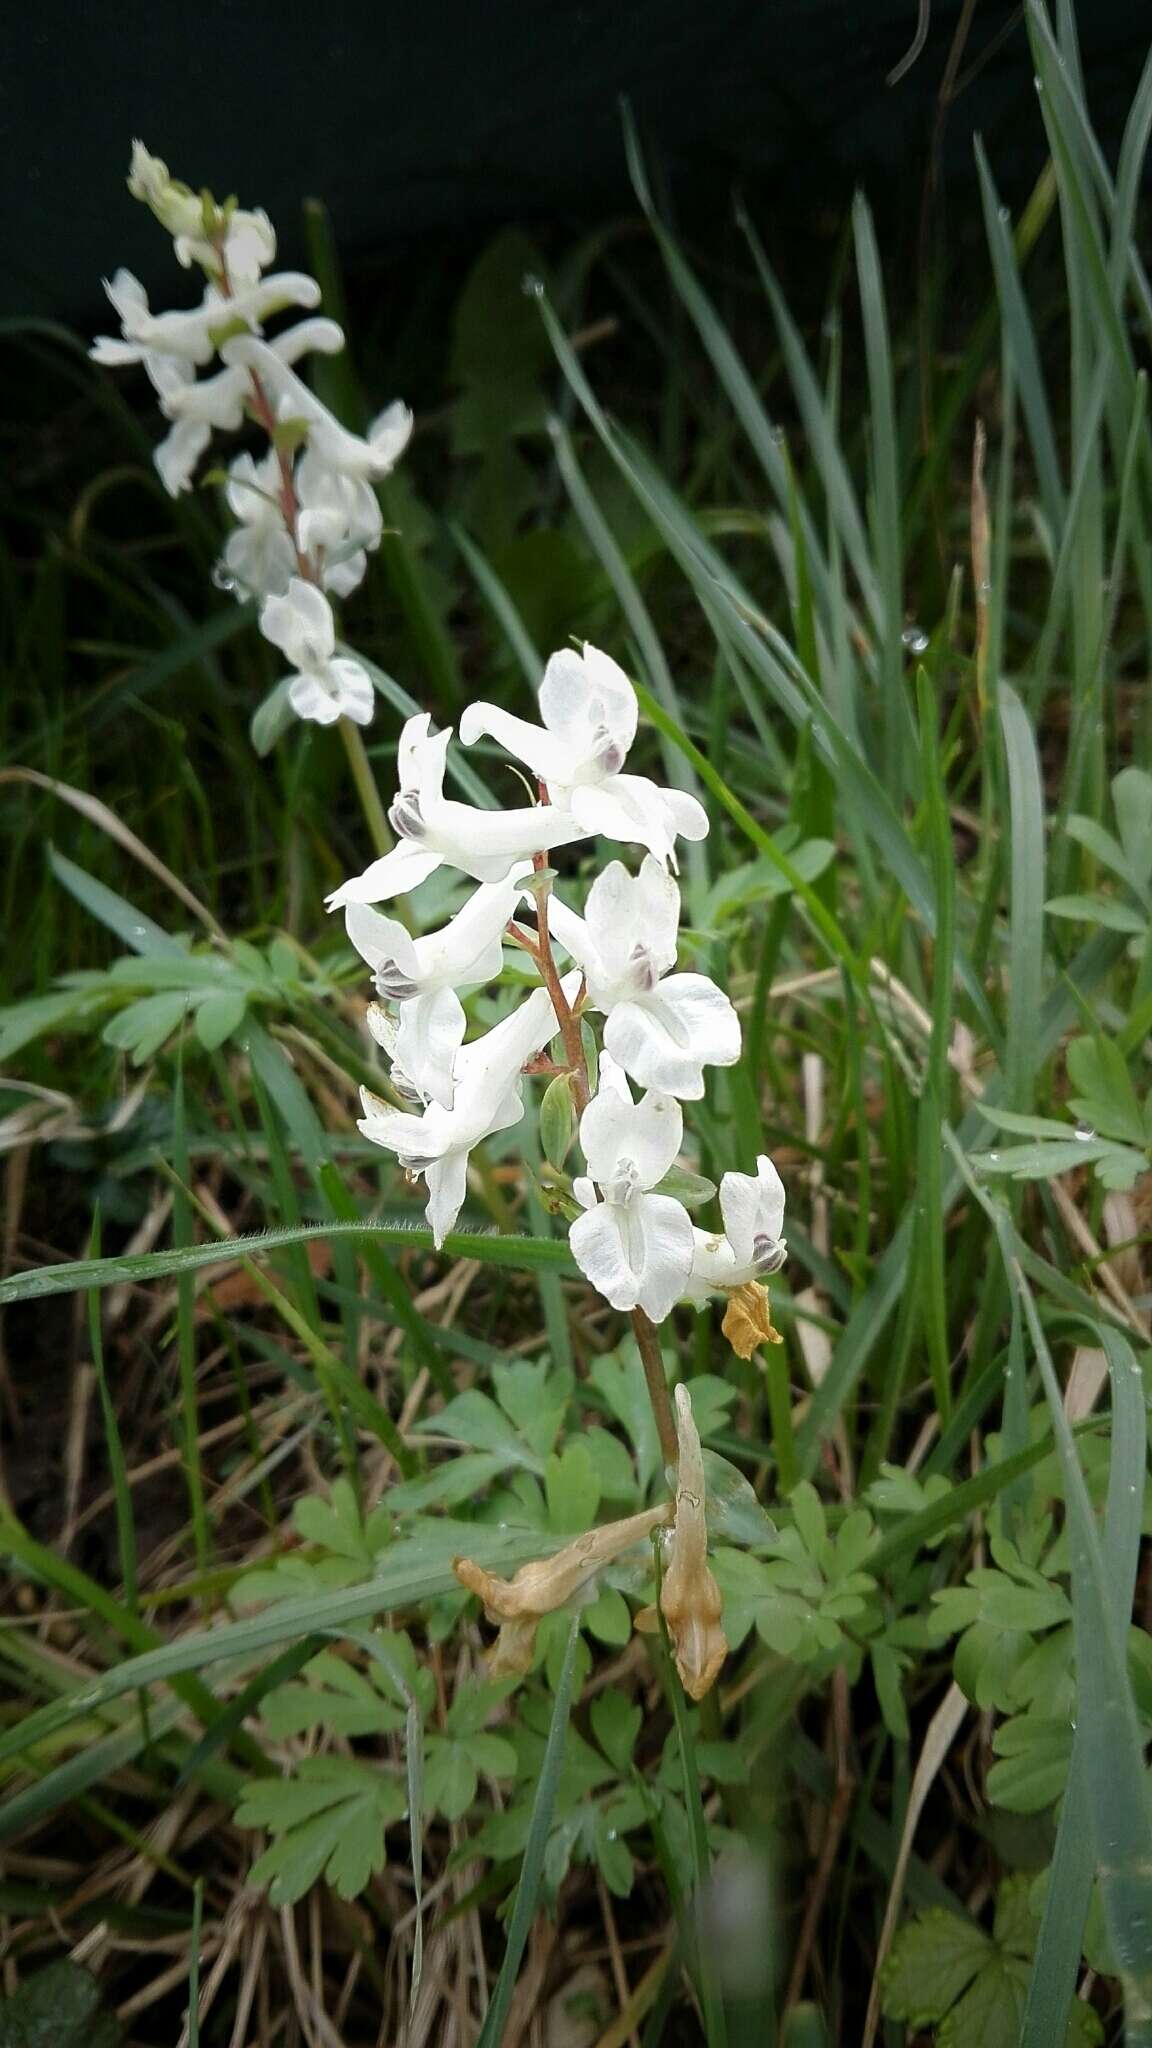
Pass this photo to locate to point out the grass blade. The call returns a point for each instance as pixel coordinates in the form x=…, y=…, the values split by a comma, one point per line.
x=532, y=1869
x=141, y=1267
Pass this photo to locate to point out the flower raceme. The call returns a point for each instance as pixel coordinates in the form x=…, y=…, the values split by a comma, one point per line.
x=306, y=509
x=636, y=1244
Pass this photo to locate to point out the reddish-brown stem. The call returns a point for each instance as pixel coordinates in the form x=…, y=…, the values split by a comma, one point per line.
x=262, y=408
x=647, y=1335
x=648, y=1345
x=565, y=1015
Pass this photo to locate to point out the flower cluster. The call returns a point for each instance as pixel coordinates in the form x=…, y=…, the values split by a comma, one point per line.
x=631, y=1236
x=306, y=516
x=306, y=510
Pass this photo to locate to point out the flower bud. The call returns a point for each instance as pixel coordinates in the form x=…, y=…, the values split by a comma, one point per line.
x=177, y=208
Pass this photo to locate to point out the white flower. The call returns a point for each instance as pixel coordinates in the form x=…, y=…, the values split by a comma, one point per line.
x=326, y=686
x=750, y=1247
x=259, y=558
x=249, y=247
x=589, y=710
x=189, y=335
x=369, y=456
x=434, y=829
x=424, y=974
x=634, y=1246
x=487, y=1099
x=662, y=1031
x=198, y=404
x=340, y=520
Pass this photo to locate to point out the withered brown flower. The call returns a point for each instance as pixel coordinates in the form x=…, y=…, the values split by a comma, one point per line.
x=519, y=1604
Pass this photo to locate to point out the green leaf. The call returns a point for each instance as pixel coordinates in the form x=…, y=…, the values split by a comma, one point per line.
x=450, y=1775
x=616, y=1722
x=1132, y=798
x=612, y=1465
x=989, y=2014
x=1034, y=1752
x=217, y=1017
x=142, y=1027
x=933, y=1959
x=572, y=1490
x=335, y=1523
x=535, y=1397
x=1099, y=910
x=329, y=1820
x=473, y=1418
x=1045, y=1162
x=22, y=1023
x=619, y=1377
x=1105, y=1095
x=57, y=2007
x=734, y=1513
x=808, y=1511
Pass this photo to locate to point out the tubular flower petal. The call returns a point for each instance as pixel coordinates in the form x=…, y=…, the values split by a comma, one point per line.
x=423, y=975
x=689, y=1596
x=369, y=456
x=486, y=1098
x=750, y=1247
x=485, y=844
x=519, y=1604
x=192, y=335
x=662, y=1028
x=589, y=711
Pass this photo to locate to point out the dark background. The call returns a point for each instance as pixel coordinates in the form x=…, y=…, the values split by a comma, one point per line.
x=457, y=116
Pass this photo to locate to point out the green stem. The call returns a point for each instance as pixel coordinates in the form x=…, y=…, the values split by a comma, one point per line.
x=366, y=788
x=780, y=1411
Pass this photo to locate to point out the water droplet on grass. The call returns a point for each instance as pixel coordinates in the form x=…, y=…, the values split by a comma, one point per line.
x=1084, y=1132
x=915, y=639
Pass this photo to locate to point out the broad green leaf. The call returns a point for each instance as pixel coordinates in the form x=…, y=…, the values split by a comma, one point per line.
x=329, y=1820
x=217, y=1017
x=616, y=1723
x=933, y=1960
x=142, y=1027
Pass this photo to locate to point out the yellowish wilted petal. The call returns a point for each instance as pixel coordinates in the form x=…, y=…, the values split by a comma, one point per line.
x=748, y=1319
